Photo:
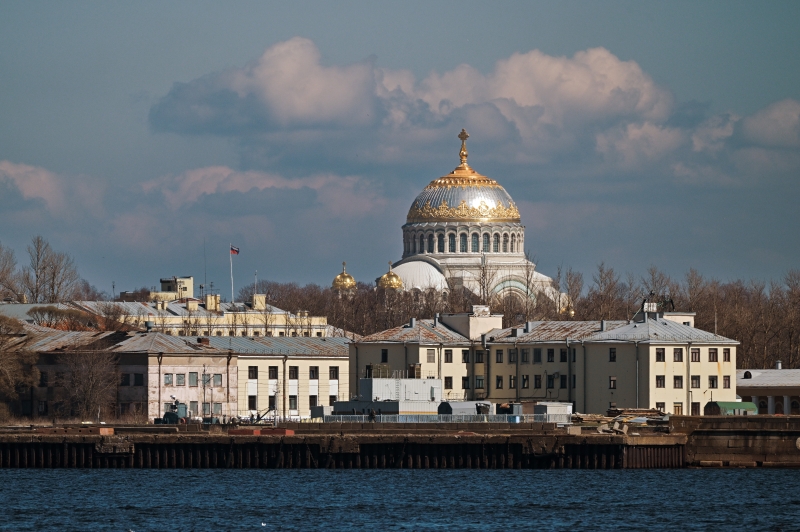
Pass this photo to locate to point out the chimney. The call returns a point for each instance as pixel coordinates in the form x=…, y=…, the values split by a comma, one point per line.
x=412, y=323
x=148, y=326
x=528, y=326
x=778, y=365
x=436, y=319
x=602, y=325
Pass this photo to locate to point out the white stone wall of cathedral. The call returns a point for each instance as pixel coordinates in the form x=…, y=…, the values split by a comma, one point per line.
x=499, y=238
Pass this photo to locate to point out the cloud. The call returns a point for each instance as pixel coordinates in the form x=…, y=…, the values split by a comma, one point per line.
x=60, y=194
x=776, y=126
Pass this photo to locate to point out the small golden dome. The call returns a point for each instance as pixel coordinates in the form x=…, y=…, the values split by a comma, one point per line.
x=343, y=281
x=390, y=280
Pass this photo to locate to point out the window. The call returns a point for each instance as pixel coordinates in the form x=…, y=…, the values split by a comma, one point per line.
x=193, y=378
x=505, y=243
x=499, y=356
x=217, y=379
x=660, y=357
x=180, y=379
x=451, y=241
x=125, y=380
x=677, y=354
x=332, y=399
x=193, y=408
x=486, y=243
x=206, y=379
x=563, y=382
x=574, y=381
x=537, y=356
x=292, y=402
x=43, y=379
x=695, y=409
x=463, y=242
x=313, y=373
x=430, y=244
x=551, y=382
x=479, y=382
x=526, y=355
x=479, y=357
x=573, y=354
x=551, y=355
x=512, y=382
x=695, y=381
x=384, y=355
x=294, y=372
x=563, y=355
x=431, y=356
x=661, y=381
x=712, y=381
x=252, y=372
x=537, y=381
x=206, y=409
x=312, y=400
x=496, y=244
x=612, y=383
x=726, y=381
x=695, y=355
x=513, y=242
x=138, y=379
x=448, y=356
x=475, y=247
x=661, y=407
x=498, y=382
x=252, y=402
x=512, y=356
x=712, y=354
x=167, y=407
x=448, y=383
x=465, y=383
x=526, y=381
x=465, y=356
x=440, y=243
x=677, y=381
x=726, y=355
x=334, y=373
x=612, y=354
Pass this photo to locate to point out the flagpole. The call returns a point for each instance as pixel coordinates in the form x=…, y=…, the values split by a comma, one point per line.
x=230, y=255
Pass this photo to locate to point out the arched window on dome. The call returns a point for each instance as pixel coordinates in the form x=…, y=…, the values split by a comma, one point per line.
x=430, y=244
x=496, y=243
x=513, y=242
x=422, y=243
x=463, y=243
x=505, y=243
x=451, y=240
x=413, y=245
x=441, y=243
x=486, y=245
x=475, y=242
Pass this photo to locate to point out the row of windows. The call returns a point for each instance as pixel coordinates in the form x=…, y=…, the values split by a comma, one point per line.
x=677, y=381
x=500, y=381
x=294, y=372
x=252, y=401
x=179, y=379
x=522, y=355
x=490, y=243
x=232, y=332
x=677, y=354
x=208, y=408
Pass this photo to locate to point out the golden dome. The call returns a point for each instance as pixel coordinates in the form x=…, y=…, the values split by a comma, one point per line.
x=390, y=280
x=343, y=281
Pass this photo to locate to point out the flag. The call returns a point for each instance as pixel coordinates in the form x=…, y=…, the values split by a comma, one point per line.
x=234, y=251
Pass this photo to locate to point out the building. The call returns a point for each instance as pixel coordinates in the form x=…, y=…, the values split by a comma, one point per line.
x=771, y=390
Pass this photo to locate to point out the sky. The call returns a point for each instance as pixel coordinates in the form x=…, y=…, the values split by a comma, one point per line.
x=146, y=137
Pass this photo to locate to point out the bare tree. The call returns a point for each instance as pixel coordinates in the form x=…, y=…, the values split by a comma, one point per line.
x=9, y=279
x=90, y=379
x=50, y=276
x=17, y=364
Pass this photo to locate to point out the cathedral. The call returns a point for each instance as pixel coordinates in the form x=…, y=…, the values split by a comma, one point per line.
x=463, y=231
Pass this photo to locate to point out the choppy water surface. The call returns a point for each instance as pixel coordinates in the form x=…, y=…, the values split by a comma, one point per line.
x=141, y=500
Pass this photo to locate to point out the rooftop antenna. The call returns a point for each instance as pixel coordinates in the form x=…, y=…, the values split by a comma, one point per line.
x=205, y=269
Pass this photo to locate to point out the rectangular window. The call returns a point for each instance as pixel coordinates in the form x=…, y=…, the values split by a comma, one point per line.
x=271, y=402
x=526, y=381
x=292, y=402
x=125, y=380
x=661, y=407
x=180, y=379
x=498, y=382
x=537, y=356
x=465, y=356
x=294, y=373
x=431, y=356
x=677, y=354
x=660, y=355
x=574, y=381
x=192, y=378
x=695, y=381
x=252, y=372
x=512, y=382
x=695, y=355
x=448, y=356
x=712, y=381
x=712, y=354
x=677, y=381
x=332, y=399
x=677, y=409
x=612, y=383
x=726, y=355
x=695, y=409
x=217, y=409
x=479, y=357
x=206, y=379
x=526, y=355
x=273, y=372
x=563, y=382
x=661, y=381
x=138, y=379
x=206, y=409
x=193, y=408
x=312, y=400
x=465, y=383
x=448, y=383
x=726, y=381
x=573, y=354
x=512, y=356
x=563, y=355
x=167, y=407
x=333, y=373
x=217, y=379
x=551, y=382
x=479, y=382
x=551, y=355
x=612, y=354
x=499, y=356
x=313, y=373
x=43, y=379
x=384, y=356
x=252, y=402
x=537, y=382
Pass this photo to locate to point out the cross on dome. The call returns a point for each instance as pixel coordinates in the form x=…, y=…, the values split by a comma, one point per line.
x=464, y=153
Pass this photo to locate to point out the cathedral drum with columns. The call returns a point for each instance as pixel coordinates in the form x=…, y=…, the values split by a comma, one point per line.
x=464, y=230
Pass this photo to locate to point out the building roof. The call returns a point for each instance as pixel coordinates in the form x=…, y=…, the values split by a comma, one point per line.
x=19, y=311
x=147, y=309
x=550, y=331
x=278, y=345
x=768, y=378
x=423, y=332
x=658, y=331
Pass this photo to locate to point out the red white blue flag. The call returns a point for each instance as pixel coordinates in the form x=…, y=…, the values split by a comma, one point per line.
x=234, y=250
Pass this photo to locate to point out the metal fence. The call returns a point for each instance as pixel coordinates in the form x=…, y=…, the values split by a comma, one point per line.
x=561, y=419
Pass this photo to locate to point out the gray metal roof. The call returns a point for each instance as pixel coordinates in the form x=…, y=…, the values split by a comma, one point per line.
x=19, y=311
x=659, y=331
x=550, y=331
x=423, y=332
x=768, y=378
x=278, y=345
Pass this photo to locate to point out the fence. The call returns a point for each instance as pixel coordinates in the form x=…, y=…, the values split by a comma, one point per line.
x=561, y=419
